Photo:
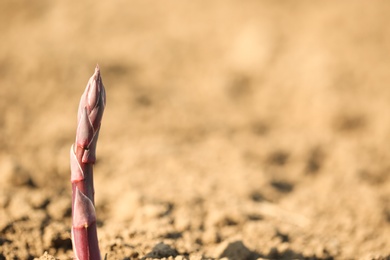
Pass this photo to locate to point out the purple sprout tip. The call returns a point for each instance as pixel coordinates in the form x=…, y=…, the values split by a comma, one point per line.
x=96, y=75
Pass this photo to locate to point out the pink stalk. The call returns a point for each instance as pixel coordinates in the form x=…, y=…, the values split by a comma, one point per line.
x=82, y=158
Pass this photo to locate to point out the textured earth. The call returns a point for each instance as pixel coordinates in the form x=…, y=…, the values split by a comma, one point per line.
x=236, y=130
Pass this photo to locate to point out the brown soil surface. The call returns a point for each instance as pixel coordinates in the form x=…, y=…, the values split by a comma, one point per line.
x=233, y=129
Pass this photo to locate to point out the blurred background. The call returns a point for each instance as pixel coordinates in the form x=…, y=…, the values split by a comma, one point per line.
x=240, y=129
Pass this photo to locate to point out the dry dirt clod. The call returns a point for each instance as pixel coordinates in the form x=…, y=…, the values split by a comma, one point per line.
x=19, y=207
x=59, y=208
x=13, y=173
x=57, y=235
x=233, y=250
x=162, y=250
x=210, y=236
x=46, y=256
x=39, y=199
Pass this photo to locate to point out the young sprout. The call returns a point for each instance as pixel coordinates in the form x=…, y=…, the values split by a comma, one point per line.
x=82, y=158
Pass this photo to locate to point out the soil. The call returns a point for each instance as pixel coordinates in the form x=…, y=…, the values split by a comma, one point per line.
x=233, y=129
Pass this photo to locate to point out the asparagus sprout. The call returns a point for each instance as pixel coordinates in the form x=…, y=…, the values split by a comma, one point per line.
x=82, y=158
